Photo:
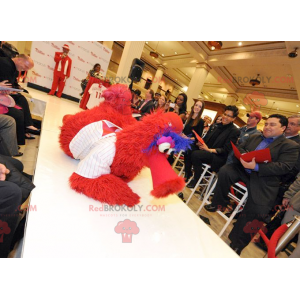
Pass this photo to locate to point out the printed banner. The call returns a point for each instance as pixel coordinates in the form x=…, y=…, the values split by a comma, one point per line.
x=84, y=56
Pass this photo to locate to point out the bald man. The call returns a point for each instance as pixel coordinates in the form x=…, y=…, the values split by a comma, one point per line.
x=9, y=70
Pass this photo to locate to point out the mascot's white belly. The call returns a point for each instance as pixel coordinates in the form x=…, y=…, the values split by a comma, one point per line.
x=95, y=146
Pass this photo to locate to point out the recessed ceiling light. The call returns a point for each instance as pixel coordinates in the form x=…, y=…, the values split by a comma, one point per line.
x=175, y=79
x=162, y=55
x=277, y=108
x=175, y=52
x=185, y=73
x=146, y=42
x=213, y=48
x=297, y=105
x=240, y=43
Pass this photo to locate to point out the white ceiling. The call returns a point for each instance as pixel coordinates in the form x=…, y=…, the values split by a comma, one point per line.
x=279, y=74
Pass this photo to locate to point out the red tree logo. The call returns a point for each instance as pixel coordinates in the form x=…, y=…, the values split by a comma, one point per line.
x=4, y=229
x=127, y=228
x=253, y=227
x=256, y=100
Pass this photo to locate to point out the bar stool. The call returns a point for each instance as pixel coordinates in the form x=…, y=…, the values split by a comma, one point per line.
x=205, y=181
x=240, y=197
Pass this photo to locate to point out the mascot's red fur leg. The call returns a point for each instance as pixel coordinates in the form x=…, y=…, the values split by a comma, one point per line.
x=106, y=188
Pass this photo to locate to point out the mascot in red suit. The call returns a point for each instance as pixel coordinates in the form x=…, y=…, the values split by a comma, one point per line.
x=62, y=71
x=113, y=148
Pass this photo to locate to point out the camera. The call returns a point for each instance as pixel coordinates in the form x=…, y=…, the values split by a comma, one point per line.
x=293, y=54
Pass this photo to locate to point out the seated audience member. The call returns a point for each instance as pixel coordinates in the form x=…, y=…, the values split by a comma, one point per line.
x=218, y=120
x=156, y=98
x=194, y=122
x=8, y=137
x=246, y=131
x=147, y=105
x=207, y=122
x=286, y=180
x=136, y=101
x=15, y=188
x=216, y=148
x=161, y=103
x=95, y=72
x=8, y=71
x=262, y=179
x=180, y=106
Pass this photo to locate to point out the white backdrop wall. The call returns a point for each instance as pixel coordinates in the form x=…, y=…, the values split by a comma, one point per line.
x=84, y=56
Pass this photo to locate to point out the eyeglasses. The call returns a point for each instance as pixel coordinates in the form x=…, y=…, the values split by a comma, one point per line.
x=226, y=115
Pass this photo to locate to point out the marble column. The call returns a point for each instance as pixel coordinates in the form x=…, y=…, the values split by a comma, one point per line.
x=158, y=77
x=231, y=99
x=108, y=44
x=197, y=82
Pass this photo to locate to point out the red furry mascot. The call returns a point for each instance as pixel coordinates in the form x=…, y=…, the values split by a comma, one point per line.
x=112, y=151
x=116, y=108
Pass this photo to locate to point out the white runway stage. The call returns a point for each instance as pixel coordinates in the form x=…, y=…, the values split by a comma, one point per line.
x=67, y=224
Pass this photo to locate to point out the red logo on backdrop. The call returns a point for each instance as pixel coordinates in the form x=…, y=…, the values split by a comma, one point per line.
x=39, y=51
x=79, y=58
x=54, y=46
x=71, y=43
x=105, y=50
x=75, y=78
x=36, y=74
x=50, y=68
x=93, y=54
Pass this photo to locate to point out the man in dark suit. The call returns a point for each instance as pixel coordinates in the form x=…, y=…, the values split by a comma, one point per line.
x=262, y=179
x=148, y=104
x=292, y=134
x=216, y=148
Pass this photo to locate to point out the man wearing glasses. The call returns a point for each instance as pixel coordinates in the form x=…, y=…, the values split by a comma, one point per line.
x=262, y=179
x=216, y=148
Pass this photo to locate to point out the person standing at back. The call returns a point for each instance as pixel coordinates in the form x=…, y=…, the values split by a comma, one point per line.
x=62, y=70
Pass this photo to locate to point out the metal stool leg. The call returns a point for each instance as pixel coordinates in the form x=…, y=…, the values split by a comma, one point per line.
x=196, y=186
x=206, y=197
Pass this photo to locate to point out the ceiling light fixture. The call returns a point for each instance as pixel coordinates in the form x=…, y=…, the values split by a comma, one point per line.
x=154, y=53
x=255, y=81
x=215, y=45
x=175, y=52
x=162, y=55
x=240, y=44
